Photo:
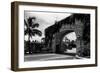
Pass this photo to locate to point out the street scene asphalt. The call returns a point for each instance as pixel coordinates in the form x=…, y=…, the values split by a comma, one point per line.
x=46, y=57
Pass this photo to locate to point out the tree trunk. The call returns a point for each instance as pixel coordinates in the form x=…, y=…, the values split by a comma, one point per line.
x=29, y=43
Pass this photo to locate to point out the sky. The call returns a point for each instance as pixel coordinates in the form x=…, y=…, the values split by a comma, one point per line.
x=45, y=19
x=71, y=36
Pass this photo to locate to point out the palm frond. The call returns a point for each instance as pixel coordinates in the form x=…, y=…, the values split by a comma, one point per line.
x=37, y=32
x=25, y=23
x=26, y=31
x=35, y=25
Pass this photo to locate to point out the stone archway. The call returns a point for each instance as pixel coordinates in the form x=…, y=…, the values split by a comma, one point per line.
x=56, y=42
x=59, y=37
x=68, y=43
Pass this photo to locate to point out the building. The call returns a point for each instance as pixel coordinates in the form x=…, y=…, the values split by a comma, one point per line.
x=78, y=23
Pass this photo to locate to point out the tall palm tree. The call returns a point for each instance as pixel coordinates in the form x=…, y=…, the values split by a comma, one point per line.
x=31, y=31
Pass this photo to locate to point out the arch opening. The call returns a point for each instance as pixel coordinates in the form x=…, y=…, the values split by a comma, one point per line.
x=66, y=42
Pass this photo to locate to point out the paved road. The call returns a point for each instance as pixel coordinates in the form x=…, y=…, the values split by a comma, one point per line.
x=46, y=57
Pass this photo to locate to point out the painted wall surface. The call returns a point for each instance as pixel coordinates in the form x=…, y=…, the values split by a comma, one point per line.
x=5, y=36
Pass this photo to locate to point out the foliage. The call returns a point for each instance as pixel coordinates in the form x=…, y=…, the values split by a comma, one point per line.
x=31, y=31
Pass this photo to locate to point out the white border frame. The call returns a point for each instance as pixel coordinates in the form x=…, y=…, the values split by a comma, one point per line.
x=34, y=64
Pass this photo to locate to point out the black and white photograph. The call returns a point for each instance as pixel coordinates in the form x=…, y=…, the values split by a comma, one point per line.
x=56, y=36
x=51, y=36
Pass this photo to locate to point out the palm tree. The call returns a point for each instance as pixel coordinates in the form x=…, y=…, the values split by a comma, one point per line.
x=31, y=31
